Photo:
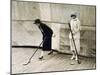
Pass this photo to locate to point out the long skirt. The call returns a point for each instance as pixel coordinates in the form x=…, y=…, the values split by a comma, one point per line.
x=47, y=43
x=77, y=43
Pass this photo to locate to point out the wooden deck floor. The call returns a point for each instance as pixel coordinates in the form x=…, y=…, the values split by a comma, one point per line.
x=54, y=62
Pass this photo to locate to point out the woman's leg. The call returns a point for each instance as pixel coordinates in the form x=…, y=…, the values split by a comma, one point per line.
x=42, y=51
x=41, y=54
x=77, y=42
x=72, y=49
x=49, y=45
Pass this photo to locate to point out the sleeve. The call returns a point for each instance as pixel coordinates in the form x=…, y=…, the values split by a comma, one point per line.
x=72, y=24
x=41, y=30
x=77, y=27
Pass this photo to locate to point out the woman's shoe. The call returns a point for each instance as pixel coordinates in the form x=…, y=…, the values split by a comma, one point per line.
x=41, y=57
x=51, y=52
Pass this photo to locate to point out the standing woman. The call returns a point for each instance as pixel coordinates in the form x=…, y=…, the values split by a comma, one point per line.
x=75, y=27
x=47, y=37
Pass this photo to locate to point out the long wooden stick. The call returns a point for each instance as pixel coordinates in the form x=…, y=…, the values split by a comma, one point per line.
x=33, y=55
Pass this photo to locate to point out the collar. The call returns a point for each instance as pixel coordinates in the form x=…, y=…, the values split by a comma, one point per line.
x=75, y=19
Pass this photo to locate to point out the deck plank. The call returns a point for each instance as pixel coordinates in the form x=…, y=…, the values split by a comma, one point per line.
x=54, y=62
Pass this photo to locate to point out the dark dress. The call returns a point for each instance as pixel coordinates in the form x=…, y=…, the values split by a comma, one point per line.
x=47, y=36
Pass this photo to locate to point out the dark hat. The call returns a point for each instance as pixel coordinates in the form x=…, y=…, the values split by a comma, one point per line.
x=73, y=15
x=37, y=21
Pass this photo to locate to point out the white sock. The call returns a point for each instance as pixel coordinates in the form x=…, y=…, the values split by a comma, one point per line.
x=42, y=53
x=76, y=58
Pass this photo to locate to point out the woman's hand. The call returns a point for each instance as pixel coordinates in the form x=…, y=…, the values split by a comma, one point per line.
x=54, y=35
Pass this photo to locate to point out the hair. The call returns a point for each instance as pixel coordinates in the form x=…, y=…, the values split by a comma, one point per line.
x=37, y=21
x=73, y=15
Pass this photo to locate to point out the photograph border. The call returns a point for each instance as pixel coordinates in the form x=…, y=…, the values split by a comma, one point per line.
x=33, y=20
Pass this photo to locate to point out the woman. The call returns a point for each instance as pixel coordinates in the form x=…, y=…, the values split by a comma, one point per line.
x=75, y=27
x=47, y=37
